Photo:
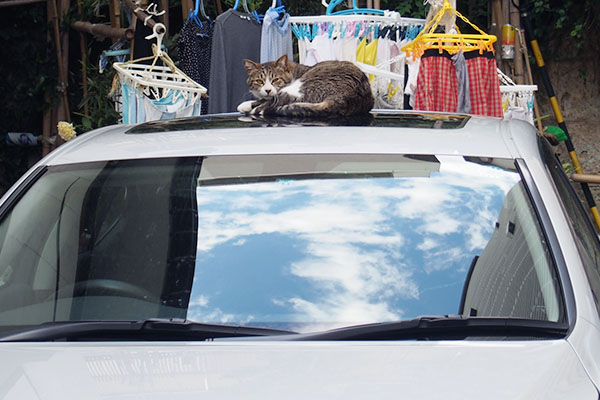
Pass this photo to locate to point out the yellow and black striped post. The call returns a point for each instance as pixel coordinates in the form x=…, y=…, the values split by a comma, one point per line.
x=526, y=23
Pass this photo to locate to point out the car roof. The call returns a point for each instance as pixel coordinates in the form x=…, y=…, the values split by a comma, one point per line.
x=382, y=132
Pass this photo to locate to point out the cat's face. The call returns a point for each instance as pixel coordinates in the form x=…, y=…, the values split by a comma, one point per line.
x=265, y=80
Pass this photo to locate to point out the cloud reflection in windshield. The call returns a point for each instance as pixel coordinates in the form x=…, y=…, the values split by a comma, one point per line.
x=338, y=252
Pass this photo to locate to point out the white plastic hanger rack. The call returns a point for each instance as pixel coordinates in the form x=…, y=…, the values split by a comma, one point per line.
x=392, y=17
x=158, y=81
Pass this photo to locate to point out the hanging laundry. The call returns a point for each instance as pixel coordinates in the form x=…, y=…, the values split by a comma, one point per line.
x=164, y=85
x=462, y=76
x=437, y=85
x=276, y=36
x=194, y=47
x=484, y=86
x=236, y=36
x=372, y=42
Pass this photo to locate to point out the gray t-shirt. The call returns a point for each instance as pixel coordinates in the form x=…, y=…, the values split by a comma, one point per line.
x=236, y=36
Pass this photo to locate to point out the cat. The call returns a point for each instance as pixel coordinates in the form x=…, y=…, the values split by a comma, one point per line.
x=329, y=88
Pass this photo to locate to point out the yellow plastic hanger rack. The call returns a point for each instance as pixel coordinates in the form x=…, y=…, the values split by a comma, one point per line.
x=451, y=42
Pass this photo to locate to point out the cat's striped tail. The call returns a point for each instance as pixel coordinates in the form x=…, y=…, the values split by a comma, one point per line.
x=303, y=109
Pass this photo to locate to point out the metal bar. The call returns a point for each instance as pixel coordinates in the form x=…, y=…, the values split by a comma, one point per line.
x=529, y=33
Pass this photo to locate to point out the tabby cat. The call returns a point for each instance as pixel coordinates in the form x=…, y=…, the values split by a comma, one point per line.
x=329, y=88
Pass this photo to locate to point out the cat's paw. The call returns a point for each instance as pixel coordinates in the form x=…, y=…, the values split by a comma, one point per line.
x=258, y=110
x=245, y=107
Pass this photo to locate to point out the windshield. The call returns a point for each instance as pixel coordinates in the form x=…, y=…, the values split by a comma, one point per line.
x=293, y=242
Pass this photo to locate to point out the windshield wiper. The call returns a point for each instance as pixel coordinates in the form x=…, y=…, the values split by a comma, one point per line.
x=148, y=330
x=444, y=327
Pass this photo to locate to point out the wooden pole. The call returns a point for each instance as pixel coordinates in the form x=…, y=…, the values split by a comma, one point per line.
x=219, y=6
x=536, y=108
x=186, y=6
x=62, y=74
x=498, y=20
x=585, y=178
x=46, y=130
x=83, y=51
x=102, y=31
x=63, y=7
x=10, y=3
x=515, y=20
x=164, y=6
x=138, y=12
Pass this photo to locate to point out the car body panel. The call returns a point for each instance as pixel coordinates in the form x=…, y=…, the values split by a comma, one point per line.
x=349, y=370
x=481, y=138
x=549, y=369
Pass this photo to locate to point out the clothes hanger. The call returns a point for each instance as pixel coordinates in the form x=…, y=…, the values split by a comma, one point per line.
x=193, y=14
x=450, y=42
x=255, y=14
x=200, y=6
x=354, y=10
x=159, y=81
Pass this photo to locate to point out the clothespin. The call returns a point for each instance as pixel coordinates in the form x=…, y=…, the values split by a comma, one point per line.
x=391, y=90
x=357, y=28
x=323, y=28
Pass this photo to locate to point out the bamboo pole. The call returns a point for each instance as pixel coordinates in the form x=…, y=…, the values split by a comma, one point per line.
x=63, y=7
x=499, y=21
x=536, y=108
x=10, y=3
x=46, y=130
x=585, y=178
x=83, y=51
x=139, y=13
x=515, y=20
x=62, y=74
x=186, y=6
x=164, y=6
x=102, y=31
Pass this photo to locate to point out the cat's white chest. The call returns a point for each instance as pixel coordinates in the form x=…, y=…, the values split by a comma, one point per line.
x=293, y=89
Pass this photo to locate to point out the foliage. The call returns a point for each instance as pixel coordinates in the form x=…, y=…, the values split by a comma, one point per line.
x=558, y=20
x=101, y=106
x=28, y=84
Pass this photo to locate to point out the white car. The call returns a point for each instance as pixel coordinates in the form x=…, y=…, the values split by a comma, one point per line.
x=403, y=255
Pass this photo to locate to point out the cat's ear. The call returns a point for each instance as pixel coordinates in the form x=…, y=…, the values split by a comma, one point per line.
x=250, y=65
x=282, y=61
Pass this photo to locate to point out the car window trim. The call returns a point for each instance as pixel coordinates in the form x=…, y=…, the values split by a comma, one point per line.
x=553, y=244
x=16, y=195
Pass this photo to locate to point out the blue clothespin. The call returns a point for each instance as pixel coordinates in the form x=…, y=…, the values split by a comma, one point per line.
x=330, y=29
x=357, y=29
x=315, y=31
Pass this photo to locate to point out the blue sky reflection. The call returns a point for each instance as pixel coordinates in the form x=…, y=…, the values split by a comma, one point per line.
x=318, y=254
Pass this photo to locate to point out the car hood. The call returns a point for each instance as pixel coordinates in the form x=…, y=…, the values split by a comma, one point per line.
x=293, y=370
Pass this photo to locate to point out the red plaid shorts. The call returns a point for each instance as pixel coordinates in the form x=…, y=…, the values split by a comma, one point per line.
x=437, y=85
x=484, y=87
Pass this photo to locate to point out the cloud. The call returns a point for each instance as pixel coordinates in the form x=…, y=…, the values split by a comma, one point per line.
x=358, y=237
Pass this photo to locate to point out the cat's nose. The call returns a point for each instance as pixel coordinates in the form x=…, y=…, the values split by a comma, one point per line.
x=268, y=91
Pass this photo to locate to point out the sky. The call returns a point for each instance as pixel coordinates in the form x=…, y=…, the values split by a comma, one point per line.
x=318, y=254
